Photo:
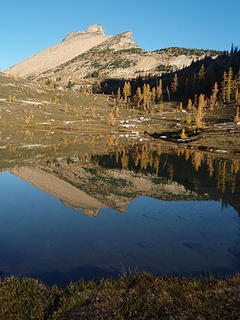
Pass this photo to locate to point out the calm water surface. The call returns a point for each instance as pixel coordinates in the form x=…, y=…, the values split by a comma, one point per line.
x=169, y=215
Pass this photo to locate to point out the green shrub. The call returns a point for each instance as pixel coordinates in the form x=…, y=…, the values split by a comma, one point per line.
x=24, y=299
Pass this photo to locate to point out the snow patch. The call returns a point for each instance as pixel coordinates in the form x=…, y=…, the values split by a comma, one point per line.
x=221, y=151
x=30, y=146
x=128, y=125
x=69, y=122
x=33, y=102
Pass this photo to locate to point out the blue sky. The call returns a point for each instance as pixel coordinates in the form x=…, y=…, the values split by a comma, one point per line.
x=27, y=27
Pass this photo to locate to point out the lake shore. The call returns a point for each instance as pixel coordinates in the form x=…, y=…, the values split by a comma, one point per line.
x=34, y=115
x=139, y=296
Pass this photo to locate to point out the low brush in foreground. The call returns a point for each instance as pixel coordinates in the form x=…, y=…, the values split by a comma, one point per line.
x=140, y=296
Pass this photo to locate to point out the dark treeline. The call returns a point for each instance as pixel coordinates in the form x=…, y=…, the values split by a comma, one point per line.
x=199, y=78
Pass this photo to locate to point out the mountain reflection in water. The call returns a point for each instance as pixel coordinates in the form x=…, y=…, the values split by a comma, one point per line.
x=114, y=180
x=174, y=222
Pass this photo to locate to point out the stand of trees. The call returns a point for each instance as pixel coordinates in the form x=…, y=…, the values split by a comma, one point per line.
x=215, y=80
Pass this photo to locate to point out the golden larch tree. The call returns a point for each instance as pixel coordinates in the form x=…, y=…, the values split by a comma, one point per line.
x=201, y=101
x=224, y=86
x=159, y=91
x=180, y=106
x=146, y=96
x=174, y=84
x=118, y=94
x=189, y=105
x=153, y=95
x=229, y=89
x=237, y=118
x=126, y=91
x=213, y=99
x=138, y=96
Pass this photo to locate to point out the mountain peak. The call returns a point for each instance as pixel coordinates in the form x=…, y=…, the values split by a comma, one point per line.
x=95, y=28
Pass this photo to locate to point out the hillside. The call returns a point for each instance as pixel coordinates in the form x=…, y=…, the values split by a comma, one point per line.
x=73, y=44
x=105, y=61
x=90, y=54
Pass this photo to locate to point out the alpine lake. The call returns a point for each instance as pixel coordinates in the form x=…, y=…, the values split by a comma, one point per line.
x=101, y=207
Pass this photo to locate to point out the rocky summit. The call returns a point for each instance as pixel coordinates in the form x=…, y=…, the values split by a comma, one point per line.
x=95, y=28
